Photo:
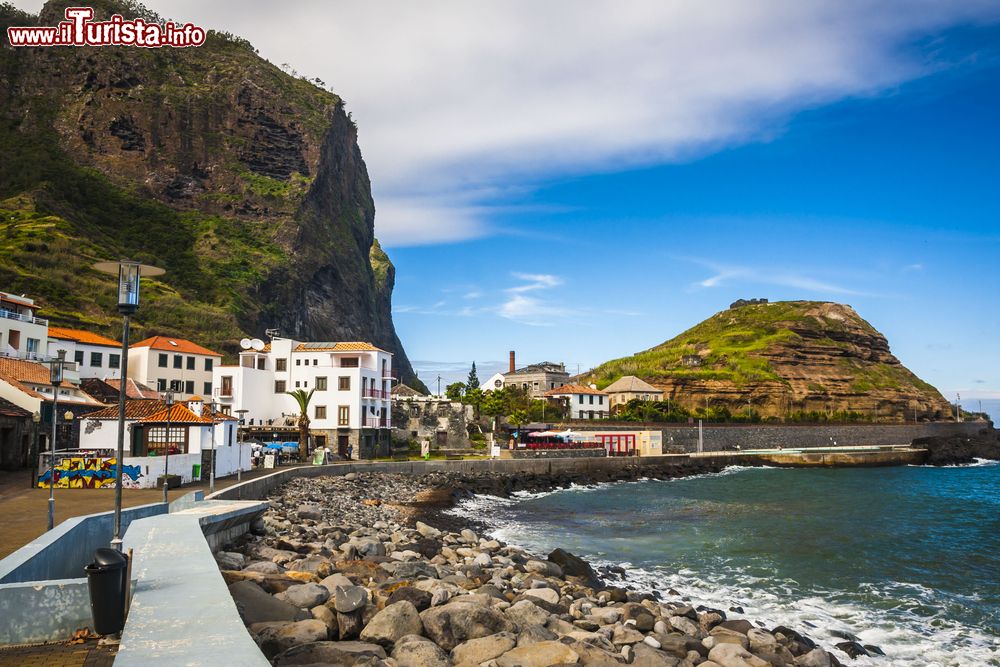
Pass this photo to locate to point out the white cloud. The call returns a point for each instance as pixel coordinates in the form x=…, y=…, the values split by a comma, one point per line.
x=535, y=281
x=454, y=97
x=913, y=267
x=724, y=275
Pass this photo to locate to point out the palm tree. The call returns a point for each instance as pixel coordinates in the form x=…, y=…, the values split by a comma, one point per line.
x=302, y=397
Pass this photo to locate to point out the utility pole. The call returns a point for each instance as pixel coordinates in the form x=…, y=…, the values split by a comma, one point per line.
x=439, y=385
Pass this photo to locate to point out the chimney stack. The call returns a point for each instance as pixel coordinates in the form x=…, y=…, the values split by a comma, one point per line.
x=512, y=369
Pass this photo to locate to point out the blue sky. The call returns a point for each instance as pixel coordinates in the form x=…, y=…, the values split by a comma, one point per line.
x=578, y=180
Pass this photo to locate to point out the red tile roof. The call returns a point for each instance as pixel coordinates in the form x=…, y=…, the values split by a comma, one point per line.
x=573, y=389
x=175, y=345
x=81, y=336
x=179, y=414
x=10, y=298
x=134, y=409
x=355, y=346
x=134, y=389
x=8, y=409
x=17, y=372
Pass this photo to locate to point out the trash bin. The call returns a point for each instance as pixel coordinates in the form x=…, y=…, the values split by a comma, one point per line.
x=106, y=580
x=196, y=471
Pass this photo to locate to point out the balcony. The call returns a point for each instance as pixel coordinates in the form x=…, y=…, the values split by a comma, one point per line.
x=11, y=315
x=376, y=393
x=375, y=422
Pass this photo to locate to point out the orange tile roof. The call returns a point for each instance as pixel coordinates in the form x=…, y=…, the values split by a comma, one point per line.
x=135, y=408
x=133, y=389
x=179, y=414
x=10, y=298
x=81, y=336
x=356, y=346
x=179, y=345
x=17, y=372
x=573, y=389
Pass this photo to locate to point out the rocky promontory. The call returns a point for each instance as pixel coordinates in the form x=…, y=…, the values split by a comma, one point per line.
x=961, y=449
x=343, y=571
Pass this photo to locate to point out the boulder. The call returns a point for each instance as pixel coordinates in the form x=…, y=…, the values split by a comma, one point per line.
x=277, y=637
x=525, y=613
x=742, y=626
x=542, y=654
x=761, y=640
x=310, y=511
x=626, y=634
x=814, y=658
x=256, y=606
x=734, y=655
x=686, y=626
x=415, y=651
x=644, y=655
x=477, y=651
x=410, y=569
x=334, y=580
x=427, y=531
x=316, y=565
x=723, y=635
x=328, y=616
x=350, y=598
x=339, y=654
x=393, y=623
x=452, y=624
x=305, y=596
x=230, y=560
x=853, y=649
x=535, y=634
x=544, y=568
x=594, y=656
x=418, y=598
x=544, y=594
x=263, y=567
x=644, y=619
x=574, y=566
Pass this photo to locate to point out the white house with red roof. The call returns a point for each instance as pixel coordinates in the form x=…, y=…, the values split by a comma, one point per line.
x=95, y=356
x=165, y=362
x=23, y=335
x=350, y=407
x=582, y=402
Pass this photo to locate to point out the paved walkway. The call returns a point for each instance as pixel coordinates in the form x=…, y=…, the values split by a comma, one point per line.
x=88, y=654
x=25, y=510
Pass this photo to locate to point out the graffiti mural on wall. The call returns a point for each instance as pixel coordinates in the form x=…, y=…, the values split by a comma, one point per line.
x=89, y=473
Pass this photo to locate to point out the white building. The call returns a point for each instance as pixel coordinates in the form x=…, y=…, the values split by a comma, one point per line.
x=628, y=388
x=193, y=439
x=22, y=335
x=494, y=382
x=165, y=363
x=95, y=356
x=351, y=401
x=582, y=402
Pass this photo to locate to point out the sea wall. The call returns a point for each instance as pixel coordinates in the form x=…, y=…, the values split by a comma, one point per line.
x=723, y=437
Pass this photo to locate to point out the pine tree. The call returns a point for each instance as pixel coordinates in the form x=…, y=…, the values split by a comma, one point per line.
x=473, y=381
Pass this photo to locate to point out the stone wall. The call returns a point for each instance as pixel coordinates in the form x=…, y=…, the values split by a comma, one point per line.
x=553, y=453
x=444, y=423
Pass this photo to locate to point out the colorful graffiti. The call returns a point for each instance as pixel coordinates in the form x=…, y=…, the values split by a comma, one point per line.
x=88, y=473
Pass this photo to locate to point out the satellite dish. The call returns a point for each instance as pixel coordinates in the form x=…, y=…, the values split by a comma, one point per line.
x=257, y=344
x=245, y=343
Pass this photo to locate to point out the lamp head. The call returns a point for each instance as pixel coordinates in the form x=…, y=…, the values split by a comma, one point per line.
x=168, y=397
x=36, y=417
x=56, y=369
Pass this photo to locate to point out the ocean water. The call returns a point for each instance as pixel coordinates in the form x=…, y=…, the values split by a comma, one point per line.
x=906, y=558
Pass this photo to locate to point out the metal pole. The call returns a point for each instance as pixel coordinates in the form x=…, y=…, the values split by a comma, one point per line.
x=701, y=438
x=166, y=454
x=116, y=542
x=211, y=458
x=52, y=456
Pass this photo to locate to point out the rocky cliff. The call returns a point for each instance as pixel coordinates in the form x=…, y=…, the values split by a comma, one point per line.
x=778, y=359
x=246, y=183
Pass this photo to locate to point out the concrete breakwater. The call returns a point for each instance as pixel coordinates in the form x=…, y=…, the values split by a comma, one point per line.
x=341, y=573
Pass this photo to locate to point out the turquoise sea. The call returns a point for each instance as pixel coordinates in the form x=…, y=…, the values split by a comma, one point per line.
x=906, y=558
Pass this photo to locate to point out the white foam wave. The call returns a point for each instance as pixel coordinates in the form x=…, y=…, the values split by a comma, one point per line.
x=977, y=462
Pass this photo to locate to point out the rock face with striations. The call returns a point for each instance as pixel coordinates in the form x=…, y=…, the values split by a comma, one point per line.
x=784, y=358
x=245, y=182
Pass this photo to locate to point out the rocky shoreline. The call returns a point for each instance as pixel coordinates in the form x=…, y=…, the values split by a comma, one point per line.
x=360, y=570
x=961, y=449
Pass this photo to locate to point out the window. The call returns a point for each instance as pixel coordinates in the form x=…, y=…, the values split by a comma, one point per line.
x=190, y=363
x=227, y=385
x=96, y=359
x=349, y=362
x=208, y=364
x=178, y=361
x=157, y=440
x=279, y=386
x=161, y=384
x=208, y=389
x=176, y=385
x=281, y=364
x=189, y=387
x=114, y=361
x=298, y=362
x=581, y=399
x=320, y=412
x=315, y=362
x=32, y=346
x=581, y=414
x=321, y=384
x=600, y=400
x=343, y=415
x=78, y=357
x=261, y=363
x=591, y=399
x=344, y=383
x=296, y=384
x=163, y=361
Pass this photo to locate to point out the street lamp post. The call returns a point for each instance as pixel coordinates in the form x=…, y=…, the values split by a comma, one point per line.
x=36, y=418
x=212, y=408
x=168, y=399
x=129, y=275
x=56, y=367
x=239, y=444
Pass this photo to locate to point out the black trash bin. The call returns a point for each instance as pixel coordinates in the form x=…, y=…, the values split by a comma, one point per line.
x=106, y=580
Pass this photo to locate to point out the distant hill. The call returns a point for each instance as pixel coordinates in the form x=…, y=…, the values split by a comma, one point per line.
x=245, y=182
x=782, y=357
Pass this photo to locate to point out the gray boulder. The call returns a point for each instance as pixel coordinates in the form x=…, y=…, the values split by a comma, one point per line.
x=277, y=637
x=310, y=511
x=544, y=568
x=734, y=655
x=814, y=658
x=255, y=605
x=393, y=623
x=477, y=651
x=263, y=567
x=418, y=598
x=230, y=560
x=535, y=634
x=350, y=598
x=452, y=624
x=542, y=654
x=415, y=651
x=305, y=596
x=525, y=613
x=647, y=656
x=339, y=654
x=410, y=569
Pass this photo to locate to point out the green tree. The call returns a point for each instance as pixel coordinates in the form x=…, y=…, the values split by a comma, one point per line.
x=302, y=397
x=494, y=403
x=518, y=418
x=454, y=391
x=473, y=381
x=473, y=397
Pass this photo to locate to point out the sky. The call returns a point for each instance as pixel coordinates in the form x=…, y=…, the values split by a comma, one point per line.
x=580, y=180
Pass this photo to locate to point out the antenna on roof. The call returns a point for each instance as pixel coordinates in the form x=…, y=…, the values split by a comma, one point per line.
x=257, y=344
x=244, y=343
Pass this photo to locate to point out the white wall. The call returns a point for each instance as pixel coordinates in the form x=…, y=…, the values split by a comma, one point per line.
x=86, y=369
x=143, y=366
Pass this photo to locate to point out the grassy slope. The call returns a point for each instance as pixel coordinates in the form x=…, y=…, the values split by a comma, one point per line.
x=731, y=343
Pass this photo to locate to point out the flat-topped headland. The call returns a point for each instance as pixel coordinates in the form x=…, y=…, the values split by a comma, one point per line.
x=360, y=569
